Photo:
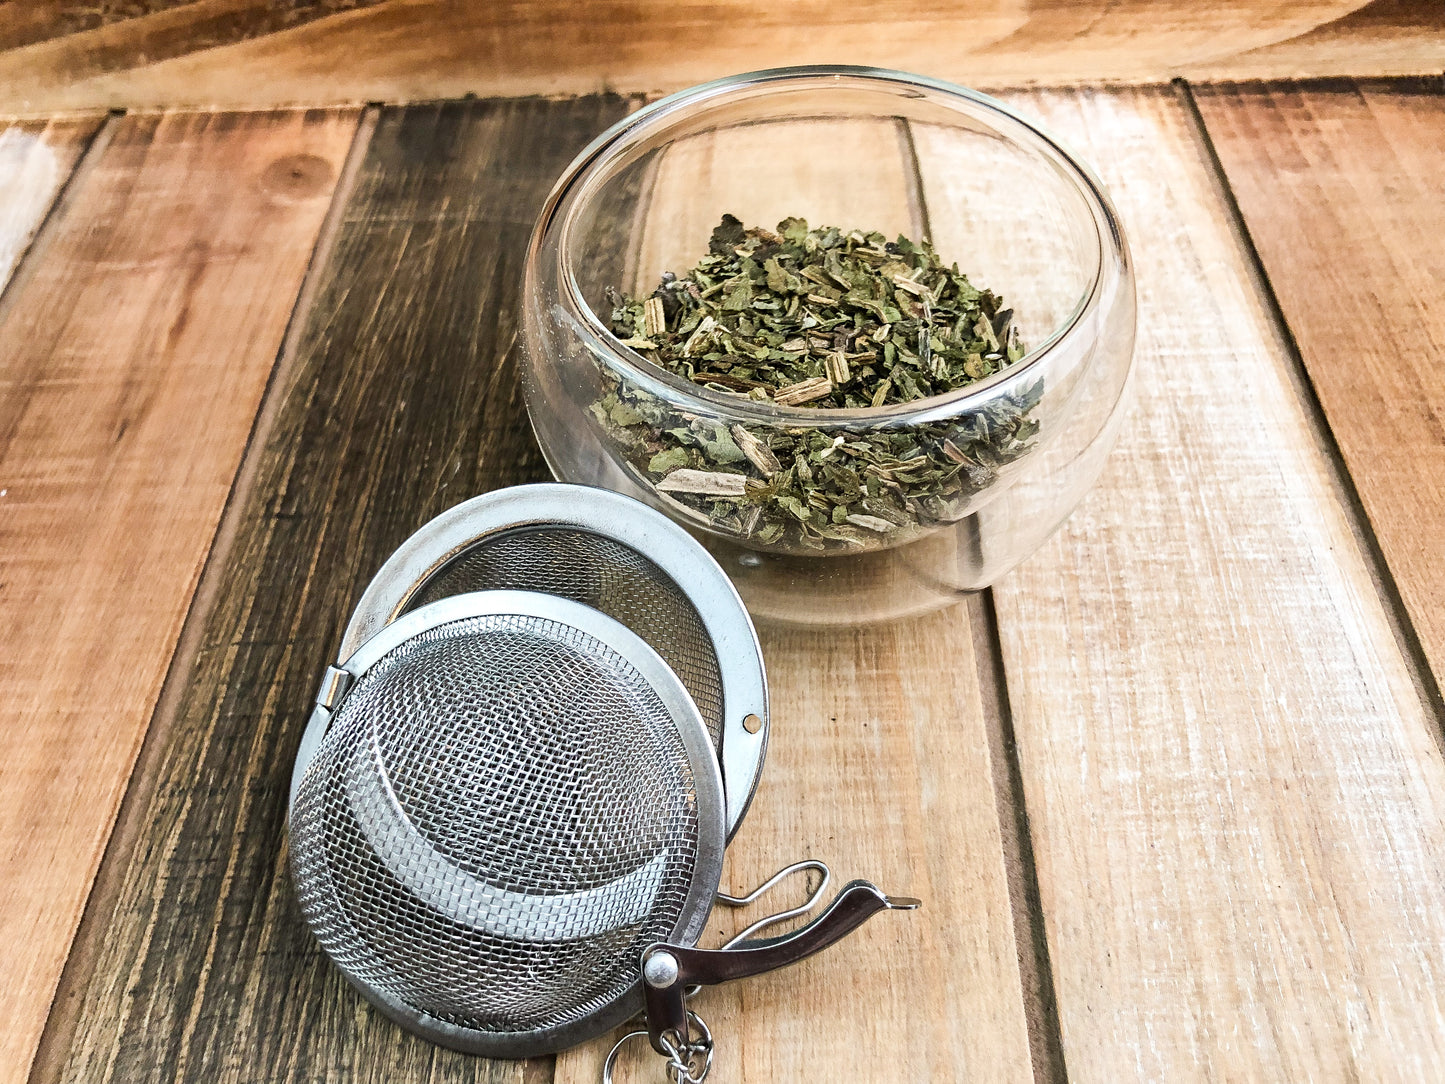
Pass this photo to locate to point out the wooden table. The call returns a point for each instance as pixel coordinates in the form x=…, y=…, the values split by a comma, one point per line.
x=1173, y=790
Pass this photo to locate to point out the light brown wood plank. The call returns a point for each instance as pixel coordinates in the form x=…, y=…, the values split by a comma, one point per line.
x=879, y=765
x=131, y=366
x=880, y=761
x=36, y=159
x=1341, y=189
x=1234, y=791
x=255, y=52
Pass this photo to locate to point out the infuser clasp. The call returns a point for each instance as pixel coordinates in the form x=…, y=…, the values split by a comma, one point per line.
x=668, y=970
x=334, y=684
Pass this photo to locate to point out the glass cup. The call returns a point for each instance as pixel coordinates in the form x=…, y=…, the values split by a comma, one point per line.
x=860, y=149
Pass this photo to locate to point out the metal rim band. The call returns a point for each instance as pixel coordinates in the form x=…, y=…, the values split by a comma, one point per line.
x=621, y=519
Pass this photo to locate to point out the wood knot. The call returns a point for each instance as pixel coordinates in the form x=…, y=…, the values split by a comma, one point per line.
x=297, y=176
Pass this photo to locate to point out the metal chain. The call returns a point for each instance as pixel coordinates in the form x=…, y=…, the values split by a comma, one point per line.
x=687, y=1063
x=691, y=1062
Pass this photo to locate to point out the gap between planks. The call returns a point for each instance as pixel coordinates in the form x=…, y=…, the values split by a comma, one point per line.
x=1357, y=160
x=92, y=478
x=1041, y=1010
x=128, y=829
x=1046, y=1051
x=1347, y=491
x=1041, y=1018
x=426, y=403
x=1232, y=783
x=32, y=250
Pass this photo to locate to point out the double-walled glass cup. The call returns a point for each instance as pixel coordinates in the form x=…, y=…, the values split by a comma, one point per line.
x=859, y=149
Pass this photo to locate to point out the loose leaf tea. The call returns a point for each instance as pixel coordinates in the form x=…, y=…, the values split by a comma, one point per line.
x=818, y=318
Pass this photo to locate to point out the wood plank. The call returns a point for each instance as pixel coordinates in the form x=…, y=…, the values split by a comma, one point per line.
x=36, y=159
x=880, y=761
x=170, y=26
x=402, y=401
x=1340, y=188
x=1380, y=38
x=131, y=365
x=880, y=765
x=250, y=52
x=1233, y=788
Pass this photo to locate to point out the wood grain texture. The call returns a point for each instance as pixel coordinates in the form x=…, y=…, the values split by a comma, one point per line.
x=1382, y=37
x=402, y=400
x=1234, y=793
x=880, y=765
x=36, y=159
x=1342, y=192
x=171, y=26
x=131, y=365
x=249, y=52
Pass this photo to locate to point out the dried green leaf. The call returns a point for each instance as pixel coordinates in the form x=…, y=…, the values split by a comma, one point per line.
x=821, y=318
x=671, y=459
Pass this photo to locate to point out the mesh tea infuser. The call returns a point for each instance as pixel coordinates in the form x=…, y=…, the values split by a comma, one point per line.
x=508, y=817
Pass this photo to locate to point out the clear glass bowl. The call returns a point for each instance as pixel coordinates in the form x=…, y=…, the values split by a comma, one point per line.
x=864, y=149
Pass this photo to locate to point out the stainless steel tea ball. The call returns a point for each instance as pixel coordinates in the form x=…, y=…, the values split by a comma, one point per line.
x=512, y=826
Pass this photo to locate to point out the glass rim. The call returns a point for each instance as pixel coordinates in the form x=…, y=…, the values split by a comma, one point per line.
x=570, y=192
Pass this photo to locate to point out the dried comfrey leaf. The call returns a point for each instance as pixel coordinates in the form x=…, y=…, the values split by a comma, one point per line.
x=818, y=318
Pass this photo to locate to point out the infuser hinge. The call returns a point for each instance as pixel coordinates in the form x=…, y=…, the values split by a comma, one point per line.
x=334, y=684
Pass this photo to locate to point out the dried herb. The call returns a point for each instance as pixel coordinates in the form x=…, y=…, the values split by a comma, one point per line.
x=818, y=318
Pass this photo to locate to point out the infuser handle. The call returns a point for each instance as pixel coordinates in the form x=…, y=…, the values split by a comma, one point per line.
x=668, y=970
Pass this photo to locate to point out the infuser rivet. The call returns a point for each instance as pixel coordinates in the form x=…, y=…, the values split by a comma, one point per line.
x=660, y=970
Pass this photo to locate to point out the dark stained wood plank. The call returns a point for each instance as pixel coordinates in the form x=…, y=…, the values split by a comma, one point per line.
x=166, y=27
x=1343, y=192
x=133, y=356
x=256, y=52
x=402, y=400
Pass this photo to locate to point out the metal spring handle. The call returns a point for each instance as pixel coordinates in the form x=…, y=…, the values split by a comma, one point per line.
x=671, y=974
x=825, y=878
x=668, y=970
